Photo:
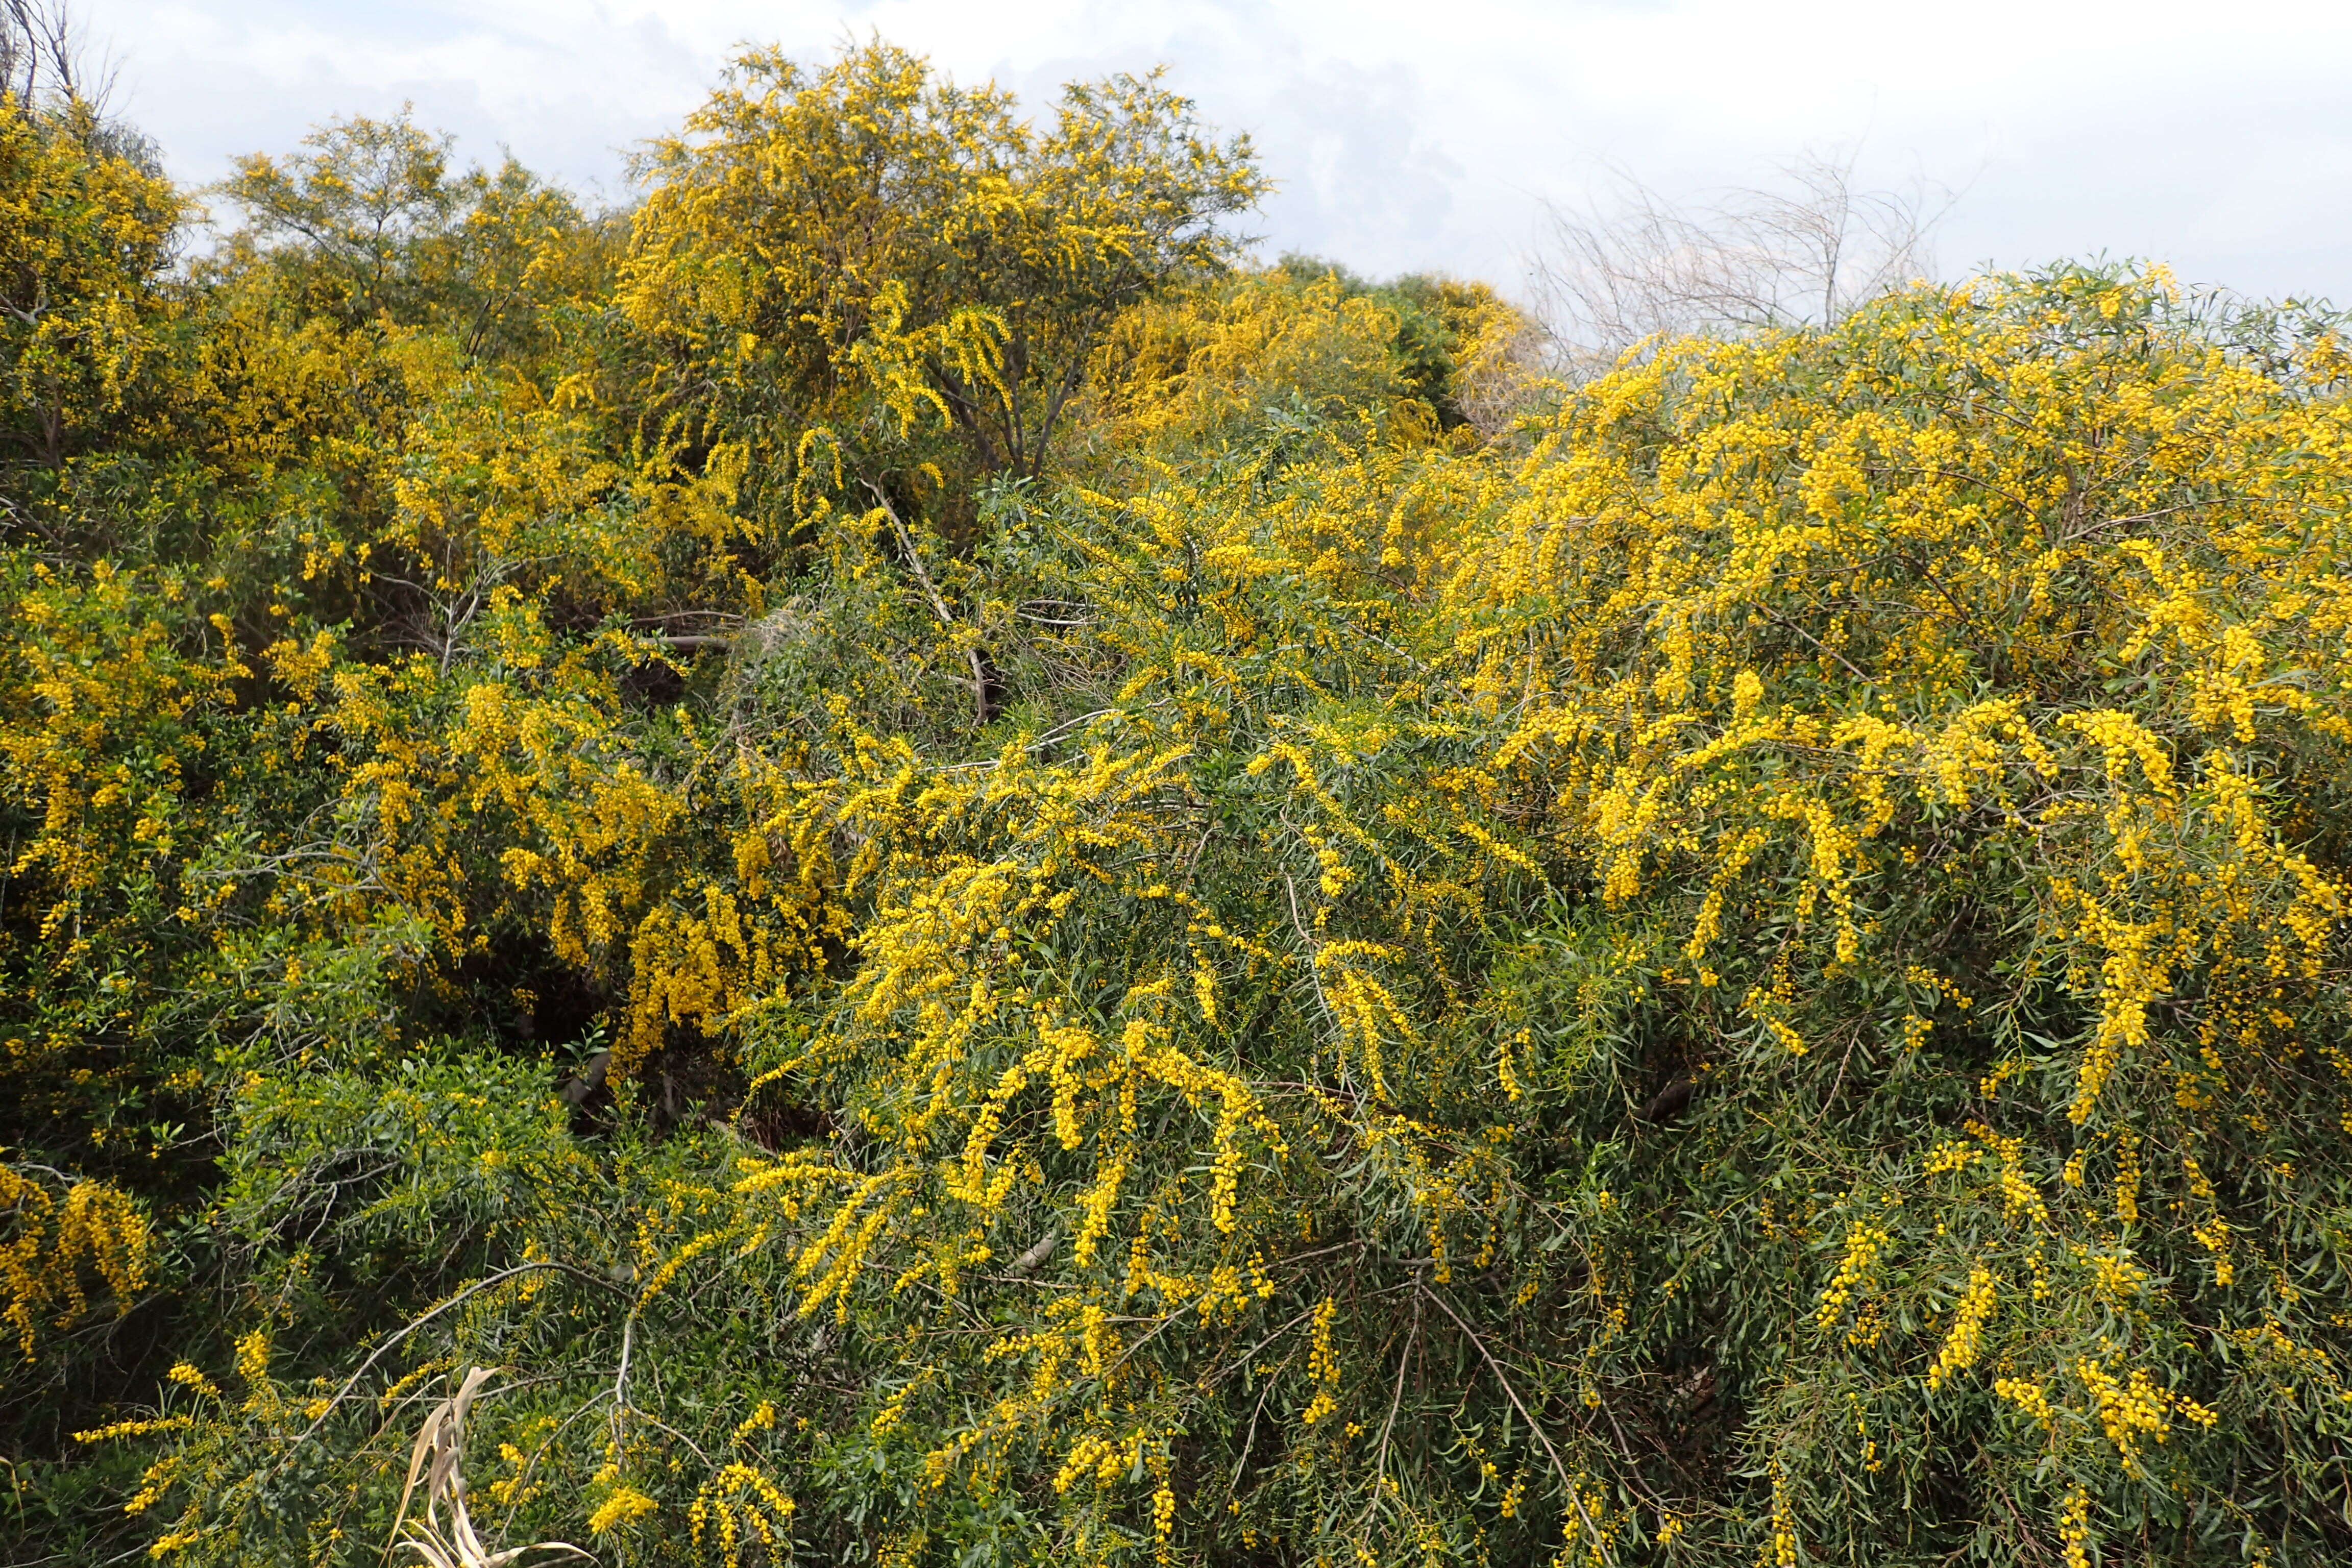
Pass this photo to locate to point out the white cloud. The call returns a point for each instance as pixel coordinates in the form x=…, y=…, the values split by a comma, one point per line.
x=1422, y=135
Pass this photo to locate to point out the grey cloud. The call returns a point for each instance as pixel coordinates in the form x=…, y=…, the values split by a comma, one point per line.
x=1404, y=136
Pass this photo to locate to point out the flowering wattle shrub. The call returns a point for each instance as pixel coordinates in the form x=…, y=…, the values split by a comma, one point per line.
x=1056, y=910
x=1755, y=980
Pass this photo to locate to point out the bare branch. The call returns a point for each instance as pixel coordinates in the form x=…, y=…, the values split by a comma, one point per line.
x=939, y=605
x=43, y=59
x=1807, y=251
x=1559, y=1470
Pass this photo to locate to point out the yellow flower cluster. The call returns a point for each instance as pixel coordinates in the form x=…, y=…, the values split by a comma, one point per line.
x=1965, y=1340
x=623, y=1505
x=2075, y=1526
x=52, y=1246
x=1863, y=1242
x=2133, y=1411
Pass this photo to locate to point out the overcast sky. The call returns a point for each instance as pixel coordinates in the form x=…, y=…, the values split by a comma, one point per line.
x=2217, y=137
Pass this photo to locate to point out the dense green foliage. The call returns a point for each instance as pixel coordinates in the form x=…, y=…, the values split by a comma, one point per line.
x=968, y=884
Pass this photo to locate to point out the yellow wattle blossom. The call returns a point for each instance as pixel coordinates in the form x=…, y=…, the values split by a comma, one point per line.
x=1964, y=1342
x=623, y=1505
x=52, y=1246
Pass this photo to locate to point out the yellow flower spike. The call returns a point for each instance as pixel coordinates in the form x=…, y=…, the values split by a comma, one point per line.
x=1964, y=1342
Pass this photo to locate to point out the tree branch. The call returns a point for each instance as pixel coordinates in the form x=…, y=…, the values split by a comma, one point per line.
x=939, y=605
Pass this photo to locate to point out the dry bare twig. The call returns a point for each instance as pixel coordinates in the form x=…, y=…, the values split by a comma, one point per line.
x=1806, y=251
